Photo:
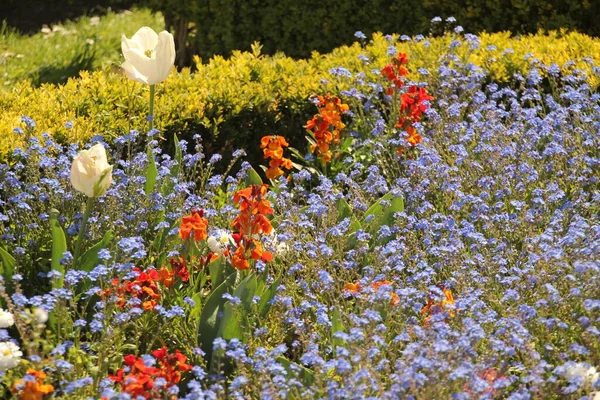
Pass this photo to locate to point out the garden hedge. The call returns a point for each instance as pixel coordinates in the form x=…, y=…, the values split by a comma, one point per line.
x=298, y=28
x=233, y=102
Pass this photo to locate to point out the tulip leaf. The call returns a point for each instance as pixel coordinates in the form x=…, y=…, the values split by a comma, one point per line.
x=90, y=259
x=336, y=326
x=253, y=178
x=151, y=172
x=216, y=268
x=306, y=375
x=384, y=215
x=232, y=320
x=196, y=311
x=246, y=291
x=8, y=264
x=59, y=247
x=377, y=208
x=208, y=325
x=345, y=211
x=178, y=157
x=397, y=205
x=265, y=299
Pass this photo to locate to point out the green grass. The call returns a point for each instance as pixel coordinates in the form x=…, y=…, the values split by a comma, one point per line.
x=59, y=52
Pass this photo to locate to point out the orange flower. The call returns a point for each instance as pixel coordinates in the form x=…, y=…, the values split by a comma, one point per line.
x=138, y=381
x=253, y=208
x=32, y=389
x=355, y=288
x=250, y=222
x=258, y=253
x=412, y=102
x=395, y=299
x=435, y=307
x=326, y=126
x=273, y=148
x=144, y=287
x=239, y=260
x=194, y=223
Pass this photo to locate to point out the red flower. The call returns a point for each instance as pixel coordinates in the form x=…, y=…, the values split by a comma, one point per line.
x=139, y=379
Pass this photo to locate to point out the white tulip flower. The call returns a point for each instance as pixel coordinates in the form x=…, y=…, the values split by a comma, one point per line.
x=90, y=172
x=149, y=57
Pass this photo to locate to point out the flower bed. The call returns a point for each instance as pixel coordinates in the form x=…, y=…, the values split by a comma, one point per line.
x=428, y=241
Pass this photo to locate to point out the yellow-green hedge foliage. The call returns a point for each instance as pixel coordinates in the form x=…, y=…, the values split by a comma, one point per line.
x=233, y=102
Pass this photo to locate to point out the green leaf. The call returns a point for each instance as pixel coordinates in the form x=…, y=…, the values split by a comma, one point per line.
x=345, y=211
x=197, y=310
x=265, y=298
x=388, y=214
x=377, y=208
x=178, y=157
x=8, y=264
x=336, y=326
x=384, y=216
x=208, y=326
x=167, y=186
x=216, y=268
x=90, y=259
x=245, y=291
x=233, y=318
x=151, y=172
x=231, y=322
x=306, y=375
x=59, y=246
x=253, y=178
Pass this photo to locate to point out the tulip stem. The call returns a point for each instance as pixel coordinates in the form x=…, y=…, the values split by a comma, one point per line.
x=151, y=115
x=86, y=215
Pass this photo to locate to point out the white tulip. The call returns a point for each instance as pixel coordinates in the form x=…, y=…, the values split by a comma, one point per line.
x=90, y=172
x=149, y=57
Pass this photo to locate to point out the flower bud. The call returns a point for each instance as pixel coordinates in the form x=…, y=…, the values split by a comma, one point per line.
x=90, y=172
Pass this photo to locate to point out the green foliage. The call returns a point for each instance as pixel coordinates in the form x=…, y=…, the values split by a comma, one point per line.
x=90, y=259
x=518, y=16
x=234, y=102
x=59, y=247
x=299, y=28
x=210, y=320
x=60, y=52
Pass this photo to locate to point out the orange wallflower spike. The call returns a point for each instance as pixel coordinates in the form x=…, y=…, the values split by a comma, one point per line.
x=195, y=223
x=239, y=260
x=32, y=389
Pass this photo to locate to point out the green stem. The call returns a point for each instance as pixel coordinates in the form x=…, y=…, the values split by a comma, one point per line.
x=151, y=114
x=86, y=215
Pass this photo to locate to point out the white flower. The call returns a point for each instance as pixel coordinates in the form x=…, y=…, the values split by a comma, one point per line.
x=10, y=355
x=219, y=243
x=40, y=315
x=280, y=248
x=149, y=57
x=90, y=172
x=6, y=319
x=589, y=375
